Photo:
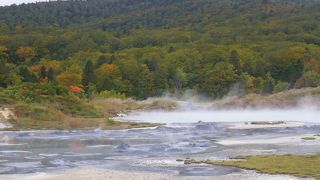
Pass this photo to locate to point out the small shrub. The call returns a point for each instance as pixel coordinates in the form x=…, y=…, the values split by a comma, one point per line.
x=111, y=94
x=31, y=92
x=163, y=104
x=75, y=106
x=76, y=89
x=311, y=79
x=281, y=86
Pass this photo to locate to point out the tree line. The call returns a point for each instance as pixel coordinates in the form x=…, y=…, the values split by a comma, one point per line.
x=146, y=48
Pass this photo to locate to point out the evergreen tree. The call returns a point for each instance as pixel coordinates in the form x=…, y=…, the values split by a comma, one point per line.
x=269, y=84
x=235, y=61
x=88, y=76
x=112, y=59
x=101, y=60
x=43, y=72
x=3, y=72
x=295, y=70
x=27, y=75
x=51, y=75
x=144, y=85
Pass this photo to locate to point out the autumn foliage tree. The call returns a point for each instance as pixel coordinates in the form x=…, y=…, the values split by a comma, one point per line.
x=26, y=53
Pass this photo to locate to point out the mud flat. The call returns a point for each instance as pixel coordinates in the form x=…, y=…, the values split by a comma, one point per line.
x=99, y=174
x=304, y=139
x=265, y=124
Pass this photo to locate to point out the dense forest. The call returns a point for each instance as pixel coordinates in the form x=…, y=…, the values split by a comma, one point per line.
x=144, y=48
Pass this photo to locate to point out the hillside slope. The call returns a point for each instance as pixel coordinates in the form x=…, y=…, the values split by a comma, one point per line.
x=144, y=48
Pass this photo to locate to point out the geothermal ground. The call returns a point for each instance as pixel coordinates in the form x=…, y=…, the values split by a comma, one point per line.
x=215, y=135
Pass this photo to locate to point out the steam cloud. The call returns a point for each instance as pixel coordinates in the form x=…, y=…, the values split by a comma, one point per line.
x=193, y=108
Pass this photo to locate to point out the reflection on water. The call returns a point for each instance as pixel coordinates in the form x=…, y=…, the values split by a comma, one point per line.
x=153, y=149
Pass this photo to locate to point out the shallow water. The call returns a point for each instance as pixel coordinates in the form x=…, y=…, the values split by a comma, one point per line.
x=241, y=115
x=150, y=149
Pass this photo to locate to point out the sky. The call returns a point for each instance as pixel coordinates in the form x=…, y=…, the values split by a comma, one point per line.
x=9, y=2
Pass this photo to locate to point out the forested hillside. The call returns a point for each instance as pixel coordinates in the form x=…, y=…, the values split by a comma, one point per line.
x=143, y=48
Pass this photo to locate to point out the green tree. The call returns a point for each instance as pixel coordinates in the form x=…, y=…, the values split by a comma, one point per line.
x=219, y=79
x=268, y=84
x=51, y=75
x=109, y=78
x=311, y=79
x=27, y=75
x=4, y=54
x=68, y=78
x=88, y=76
x=102, y=60
x=286, y=64
x=43, y=72
x=144, y=86
x=235, y=61
x=180, y=78
x=281, y=86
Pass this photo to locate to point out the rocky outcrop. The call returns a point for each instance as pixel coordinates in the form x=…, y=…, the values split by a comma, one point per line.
x=5, y=115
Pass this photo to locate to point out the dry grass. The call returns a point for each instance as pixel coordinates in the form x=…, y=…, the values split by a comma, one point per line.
x=160, y=104
x=116, y=125
x=39, y=116
x=112, y=107
x=291, y=98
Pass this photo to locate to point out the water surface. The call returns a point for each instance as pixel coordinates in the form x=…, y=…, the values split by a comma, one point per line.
x=200, y=135
x=153, y=149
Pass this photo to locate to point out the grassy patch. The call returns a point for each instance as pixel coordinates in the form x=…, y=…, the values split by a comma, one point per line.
x=37, y=116
x=161, y=103
x=112, y=107
x=61, y=124
x=296, y=165
x=76, y=107
x=49, y=106
x=267, y=122
x=116, y=125
x=309, y=138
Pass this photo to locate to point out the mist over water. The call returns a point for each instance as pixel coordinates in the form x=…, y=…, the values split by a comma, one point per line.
x=192, y=108
x=193, y=116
